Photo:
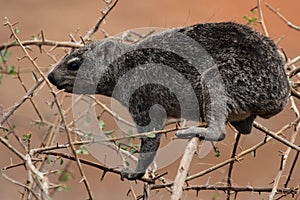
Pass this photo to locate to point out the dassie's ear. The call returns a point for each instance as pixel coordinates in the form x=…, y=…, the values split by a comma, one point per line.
x=108, y=51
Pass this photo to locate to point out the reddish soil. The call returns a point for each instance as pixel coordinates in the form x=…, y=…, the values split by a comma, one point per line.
x=57, y=19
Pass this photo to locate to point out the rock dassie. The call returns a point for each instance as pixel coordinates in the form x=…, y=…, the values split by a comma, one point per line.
x=211, y=72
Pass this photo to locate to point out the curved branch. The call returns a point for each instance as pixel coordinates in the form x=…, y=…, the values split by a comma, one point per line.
x=40, y=43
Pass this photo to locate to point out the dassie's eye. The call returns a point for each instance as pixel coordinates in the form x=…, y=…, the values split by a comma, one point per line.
x=74, y=63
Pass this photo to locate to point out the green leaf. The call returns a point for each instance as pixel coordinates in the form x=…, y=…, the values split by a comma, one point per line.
x=151, y=135
x=60, y=188
x=292, y=189
x=61, y=161
x=82, y=150
x=35, y=37
x=66, y=176
x=108, y=133
x=217, y=154
x=254, y=11
x=27, y=137
x=11, y=70
x=78, y=151
x=124, y=147
x=67, y=188
x=133, y=151
x=4, y=56
x=1, y=76
x=137, y=146
x=215, y=196
x=101, y=124
x=118, y=143
x=17, y=31
x=8, y=131
x=14, y=42
x=63, y=188
x=250, y=19
x=48, y=161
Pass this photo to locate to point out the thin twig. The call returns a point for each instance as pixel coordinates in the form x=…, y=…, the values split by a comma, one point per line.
x=93, y=164
x=290, y=24
x=11, y=166
x=20, y=184
x=30, y=99
x=97, y=25
x=241, y=189
x=28, y=95
x=58, y=106
x=285, y=155
x=237, y=157
x=118, y=118
x=294, y=106
x=261, y=18
x=12, y=148
x=292, y=61
x=233, y=154
x=282, y=165
x=276, y=136
x=39, y=178
x=40, y=43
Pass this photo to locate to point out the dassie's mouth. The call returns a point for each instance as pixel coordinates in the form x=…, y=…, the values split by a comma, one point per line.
x=67, y=87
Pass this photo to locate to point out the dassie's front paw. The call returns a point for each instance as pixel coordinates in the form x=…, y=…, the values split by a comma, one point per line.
x=191, y=132
x=202, y=133
x=131, y=174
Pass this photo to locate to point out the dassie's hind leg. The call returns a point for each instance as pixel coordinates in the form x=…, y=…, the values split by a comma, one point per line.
x=214, y=105
x=244, y=126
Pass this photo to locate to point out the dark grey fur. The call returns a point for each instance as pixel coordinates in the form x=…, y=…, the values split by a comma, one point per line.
x=253, y=82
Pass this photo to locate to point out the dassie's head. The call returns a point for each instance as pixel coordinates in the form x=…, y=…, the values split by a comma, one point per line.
x=88, y=70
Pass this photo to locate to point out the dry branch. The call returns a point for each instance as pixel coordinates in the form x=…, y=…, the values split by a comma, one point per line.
x=28, y=95
x=40, y=43
x=290, y=24
x=99, y=22
x=38, y=185
x=93, y=164
x=237, y=189
x=284, y=157
x=184, y=167
x=233, y=154
x=235, y=159
x=10, y=25
x=261, y=16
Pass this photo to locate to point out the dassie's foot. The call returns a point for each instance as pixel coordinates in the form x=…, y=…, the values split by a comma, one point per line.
x=131, y=174
x=202, y=133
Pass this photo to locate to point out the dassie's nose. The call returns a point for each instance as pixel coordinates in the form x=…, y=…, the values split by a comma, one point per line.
x=51, y=78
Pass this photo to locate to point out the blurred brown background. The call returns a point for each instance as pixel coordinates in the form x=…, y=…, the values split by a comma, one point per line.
x=57, y=19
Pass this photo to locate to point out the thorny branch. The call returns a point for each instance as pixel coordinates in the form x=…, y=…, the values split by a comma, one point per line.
x=184, y=168
x=97, y=25
x=40, y=43
x=44, y=182
x=34, y=158
x=290, y=24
